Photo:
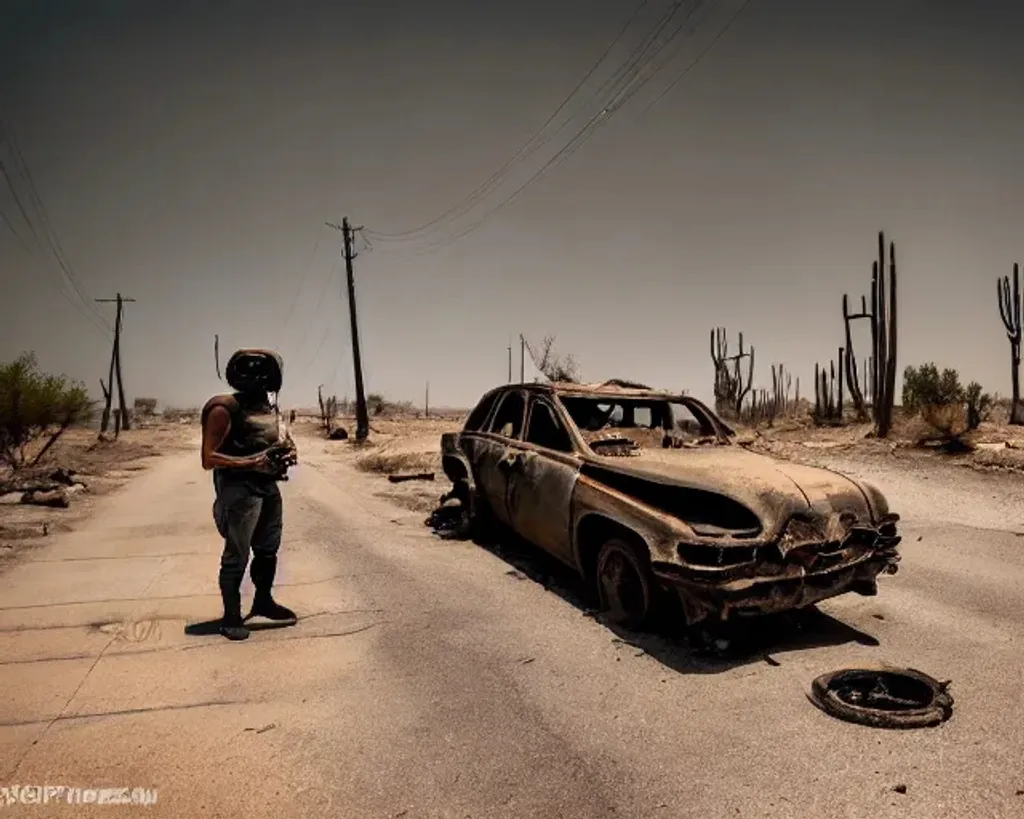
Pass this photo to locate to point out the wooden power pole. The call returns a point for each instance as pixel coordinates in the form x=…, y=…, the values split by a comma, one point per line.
x=522, y=359
x=115, y=369
x=362, y=416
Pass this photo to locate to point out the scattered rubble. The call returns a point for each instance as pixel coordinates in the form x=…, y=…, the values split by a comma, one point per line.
x=415, y=476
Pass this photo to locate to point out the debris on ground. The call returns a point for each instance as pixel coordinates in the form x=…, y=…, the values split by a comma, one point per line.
x=415, y=476
x=883, y=697
x=450, y=522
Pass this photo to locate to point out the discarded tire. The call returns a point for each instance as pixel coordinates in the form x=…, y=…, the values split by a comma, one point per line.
x=883, y=698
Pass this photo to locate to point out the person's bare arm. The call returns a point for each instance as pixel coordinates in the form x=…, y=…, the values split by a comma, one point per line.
x=215, y=432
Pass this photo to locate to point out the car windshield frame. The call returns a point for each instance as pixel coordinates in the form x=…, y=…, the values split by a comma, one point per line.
x=711, y=425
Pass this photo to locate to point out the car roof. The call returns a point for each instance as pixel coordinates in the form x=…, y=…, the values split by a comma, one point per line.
x=614, y=388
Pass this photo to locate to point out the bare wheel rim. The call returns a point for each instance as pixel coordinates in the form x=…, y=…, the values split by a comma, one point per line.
x=622, y=587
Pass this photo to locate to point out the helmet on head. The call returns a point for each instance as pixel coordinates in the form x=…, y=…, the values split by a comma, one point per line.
x=253, y=370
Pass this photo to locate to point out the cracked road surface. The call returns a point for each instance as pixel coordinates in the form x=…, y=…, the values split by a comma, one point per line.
x=429, y=678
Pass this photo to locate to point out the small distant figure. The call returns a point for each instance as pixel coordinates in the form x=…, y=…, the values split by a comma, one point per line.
x=291, y=417
x=242, y=447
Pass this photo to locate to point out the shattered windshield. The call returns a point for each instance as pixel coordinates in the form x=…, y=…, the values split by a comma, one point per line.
x=619, y=426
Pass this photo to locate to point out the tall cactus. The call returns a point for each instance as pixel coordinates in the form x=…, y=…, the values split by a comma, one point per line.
x=880, y=367
x=1009, y=310
x=731, y=388
x=884, y=327
x=828, y=393
x=849, y=363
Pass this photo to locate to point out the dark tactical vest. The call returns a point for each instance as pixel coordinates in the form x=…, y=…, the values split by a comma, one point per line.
x=252, y=431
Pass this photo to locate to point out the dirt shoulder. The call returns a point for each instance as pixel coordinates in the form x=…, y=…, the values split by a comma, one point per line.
x=397, y=446
x=977, y=489
x=92, y=468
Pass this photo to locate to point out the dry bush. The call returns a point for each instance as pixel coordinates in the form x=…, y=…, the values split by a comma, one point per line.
x=388, y=463
x=177, y=415
x=144, y=406
x=949, y=409
x=36, y=406
x=948, y=420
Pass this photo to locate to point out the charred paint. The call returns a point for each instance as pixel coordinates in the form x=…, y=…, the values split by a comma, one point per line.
x=727, y=529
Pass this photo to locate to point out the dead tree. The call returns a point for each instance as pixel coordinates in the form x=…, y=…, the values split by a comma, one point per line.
x=328, y=410
x=730, y=386
x=555, y=367
x=1009, y=310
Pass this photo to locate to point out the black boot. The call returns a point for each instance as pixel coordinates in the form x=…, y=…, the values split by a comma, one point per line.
x=232, y=626
x=262, y=571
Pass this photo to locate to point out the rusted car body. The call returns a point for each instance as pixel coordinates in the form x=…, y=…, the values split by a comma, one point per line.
x=644, y=492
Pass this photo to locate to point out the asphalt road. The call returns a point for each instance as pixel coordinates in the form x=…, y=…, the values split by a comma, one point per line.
x=432, y=678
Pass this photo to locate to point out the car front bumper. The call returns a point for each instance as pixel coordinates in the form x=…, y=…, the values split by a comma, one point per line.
x=793, y=588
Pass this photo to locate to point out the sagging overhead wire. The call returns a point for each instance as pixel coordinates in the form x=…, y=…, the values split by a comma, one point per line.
x=530, y=147
x=302, y=280
x=600, y=119
x=52, y=241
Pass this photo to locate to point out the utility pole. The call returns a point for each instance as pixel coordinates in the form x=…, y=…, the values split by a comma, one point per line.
x=522, y=359
x=426, y=402
x=115, y=369
x=362, y=416
x=510, y=361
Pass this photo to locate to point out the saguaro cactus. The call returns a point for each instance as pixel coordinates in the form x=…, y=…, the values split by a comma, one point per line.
x=884, y=338
x=730, y=386
x=1009, y=310
x=828, y=392
x=880, y=368
x=849, y=362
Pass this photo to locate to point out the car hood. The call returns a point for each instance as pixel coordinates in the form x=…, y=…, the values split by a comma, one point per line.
x=772, y=489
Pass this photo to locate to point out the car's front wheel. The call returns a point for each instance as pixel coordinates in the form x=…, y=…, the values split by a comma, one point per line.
x=624, y=584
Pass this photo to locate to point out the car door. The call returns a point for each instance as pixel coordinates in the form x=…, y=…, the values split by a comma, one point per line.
x=542, y=472
x=493, y=455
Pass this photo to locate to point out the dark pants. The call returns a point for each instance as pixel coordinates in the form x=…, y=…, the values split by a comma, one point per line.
x=249, y=516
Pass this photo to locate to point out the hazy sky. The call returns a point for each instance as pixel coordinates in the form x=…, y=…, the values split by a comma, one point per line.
x=187, y=154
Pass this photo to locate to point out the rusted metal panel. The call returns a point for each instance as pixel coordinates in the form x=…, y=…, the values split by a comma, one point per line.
x=728, y=529
x=540, y=498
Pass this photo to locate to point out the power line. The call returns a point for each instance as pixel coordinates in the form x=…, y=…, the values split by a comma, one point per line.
x=52, y=240
x=283, y=334
x=91, y=315
x=581, y=137
x=525, y=150
x=316, y=310
x=696, y=61
x=10, y=226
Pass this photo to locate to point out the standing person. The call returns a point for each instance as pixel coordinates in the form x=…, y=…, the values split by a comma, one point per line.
x=242, y=446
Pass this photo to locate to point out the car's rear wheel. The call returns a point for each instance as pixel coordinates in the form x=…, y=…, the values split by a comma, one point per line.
x=625, y=585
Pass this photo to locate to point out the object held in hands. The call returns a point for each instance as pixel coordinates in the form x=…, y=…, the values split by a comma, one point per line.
x=281, y=458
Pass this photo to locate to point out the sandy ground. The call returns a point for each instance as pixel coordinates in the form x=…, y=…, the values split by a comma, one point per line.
x=100, y=466
x=431, y=678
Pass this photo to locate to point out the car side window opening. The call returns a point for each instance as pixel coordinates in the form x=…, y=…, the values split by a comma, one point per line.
x=545, y=429
x=508, y=420
x=478, y=416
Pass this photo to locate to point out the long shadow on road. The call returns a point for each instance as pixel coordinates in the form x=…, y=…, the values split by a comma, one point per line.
x=750, y=640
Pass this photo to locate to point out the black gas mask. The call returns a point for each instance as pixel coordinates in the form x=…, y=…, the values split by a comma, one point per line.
x=253, y=372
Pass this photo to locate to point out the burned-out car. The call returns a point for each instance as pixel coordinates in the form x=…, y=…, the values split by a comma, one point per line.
x=645, y=493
